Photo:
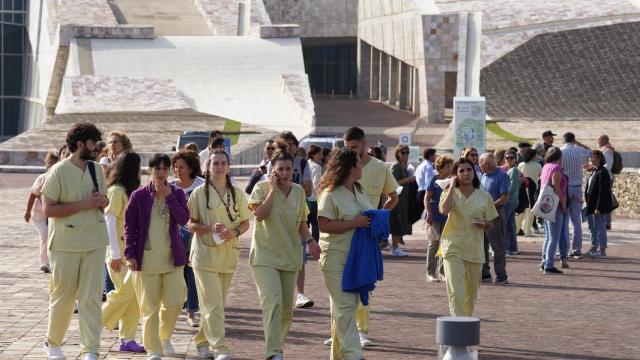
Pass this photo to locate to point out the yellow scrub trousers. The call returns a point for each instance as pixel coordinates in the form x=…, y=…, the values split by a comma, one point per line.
x=463, y=281
x=121, y=305
x=161, y=298
x=76, y=275
x=212, y=293
x=275, y=288
x=344, y=332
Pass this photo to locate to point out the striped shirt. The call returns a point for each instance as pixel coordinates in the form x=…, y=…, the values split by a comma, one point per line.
x=573, y=157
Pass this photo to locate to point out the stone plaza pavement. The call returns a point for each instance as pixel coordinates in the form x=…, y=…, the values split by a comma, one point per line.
x=591, y=312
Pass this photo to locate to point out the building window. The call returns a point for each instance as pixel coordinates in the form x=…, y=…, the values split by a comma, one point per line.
x=13, y=41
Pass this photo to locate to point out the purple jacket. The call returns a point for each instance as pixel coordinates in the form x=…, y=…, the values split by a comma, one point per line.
x=138, y=216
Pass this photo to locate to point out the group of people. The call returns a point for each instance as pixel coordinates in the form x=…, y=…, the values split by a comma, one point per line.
x=165, y=241
x=174, y=244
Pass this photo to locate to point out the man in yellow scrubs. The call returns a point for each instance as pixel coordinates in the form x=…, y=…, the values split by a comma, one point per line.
x=214, y=265
x=77, y=242
x=376, y=180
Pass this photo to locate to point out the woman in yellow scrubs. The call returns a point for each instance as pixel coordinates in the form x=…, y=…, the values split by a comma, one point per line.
x=217, y=209
x=121, y=305
x=340, y=203
x=470, y=211
x=155, y=254
x=280, y=210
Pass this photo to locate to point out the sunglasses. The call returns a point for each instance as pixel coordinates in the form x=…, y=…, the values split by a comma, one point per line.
x=473, y=154
x=510, y=158
x=270, y=148
x=404, y=152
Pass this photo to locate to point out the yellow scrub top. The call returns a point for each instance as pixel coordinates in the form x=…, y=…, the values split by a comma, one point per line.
x=276, y=239
x=85, y=230
x=118, y=199
x=205, y=253
x=339, y=204
x=376, y=180
x=460, y=237
x=158, y=258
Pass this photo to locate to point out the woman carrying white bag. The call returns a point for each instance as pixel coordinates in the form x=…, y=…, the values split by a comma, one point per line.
x=555, y=227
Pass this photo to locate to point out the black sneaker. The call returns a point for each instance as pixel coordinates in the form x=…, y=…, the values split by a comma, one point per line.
x=552, y=270
x=501, y=281
x=520, y=233
x=487, y=279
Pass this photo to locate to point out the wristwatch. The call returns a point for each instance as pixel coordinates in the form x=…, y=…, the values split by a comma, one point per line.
x=237, y=232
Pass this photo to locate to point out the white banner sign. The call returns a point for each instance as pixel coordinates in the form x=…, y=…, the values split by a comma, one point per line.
x=469, y=124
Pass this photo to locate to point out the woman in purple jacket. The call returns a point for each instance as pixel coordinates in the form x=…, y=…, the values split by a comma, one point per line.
x=156, y=256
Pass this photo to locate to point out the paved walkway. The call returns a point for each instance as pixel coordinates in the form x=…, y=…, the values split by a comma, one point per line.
x=591, y=312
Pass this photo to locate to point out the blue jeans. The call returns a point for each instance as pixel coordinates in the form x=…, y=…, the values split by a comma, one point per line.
x=597, y=226
x=509, y=224
x=575, y=214
x=555, y=233
x=107, y=284
x=192, y=294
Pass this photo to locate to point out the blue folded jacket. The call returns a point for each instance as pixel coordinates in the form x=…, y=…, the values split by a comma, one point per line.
x=364, y=264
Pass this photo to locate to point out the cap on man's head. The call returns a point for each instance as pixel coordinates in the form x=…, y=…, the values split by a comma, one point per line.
x=548, y=133
x=524, y=145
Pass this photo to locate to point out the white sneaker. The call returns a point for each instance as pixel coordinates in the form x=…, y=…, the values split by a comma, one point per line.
x=167, y=348
x=277, y=357
x=303, y=302
x=54, y=352
x=398, y=252
x=90, y=356
x=328, y=342
x=154, y=357
x=204, y=352
x=223, y=357
x=364, y=341
x=431, y=278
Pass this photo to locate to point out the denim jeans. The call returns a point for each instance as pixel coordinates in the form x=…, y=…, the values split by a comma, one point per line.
x=555, y=233
x=510, y=234
x=192, y=294
x=575, y=214
x=107, y=284
x=597, y=226
x=312, y=219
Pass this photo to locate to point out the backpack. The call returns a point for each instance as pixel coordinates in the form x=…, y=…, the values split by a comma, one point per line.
x=526, y=196
x=256, y=175
x=616, y=167
x=303, y=165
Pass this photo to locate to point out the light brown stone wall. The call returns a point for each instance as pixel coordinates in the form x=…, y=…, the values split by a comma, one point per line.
x=626, y=188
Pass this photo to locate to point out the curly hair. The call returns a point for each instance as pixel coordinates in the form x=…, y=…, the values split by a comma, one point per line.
x=126, y=142
x=51, y=159
x=192, y=160
x=442, y=161
x=82, y=132
x=338, y=169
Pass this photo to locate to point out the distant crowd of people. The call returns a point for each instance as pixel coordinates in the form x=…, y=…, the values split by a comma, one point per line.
x=170, y=245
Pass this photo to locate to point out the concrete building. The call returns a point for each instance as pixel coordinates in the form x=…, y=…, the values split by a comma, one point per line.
x=269, y=64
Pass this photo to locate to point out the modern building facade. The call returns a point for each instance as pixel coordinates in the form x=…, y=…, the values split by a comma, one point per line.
x=261, y=62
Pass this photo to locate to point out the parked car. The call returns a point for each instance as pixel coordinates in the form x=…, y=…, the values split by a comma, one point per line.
x=201, y=138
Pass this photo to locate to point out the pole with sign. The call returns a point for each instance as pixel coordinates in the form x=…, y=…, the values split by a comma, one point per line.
x=404, y=139
x=469, y=124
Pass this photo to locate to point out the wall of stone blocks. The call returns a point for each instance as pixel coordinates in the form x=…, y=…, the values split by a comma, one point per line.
x=585, y=73
x=317, y=18
x=626, y=188
x=441, y=34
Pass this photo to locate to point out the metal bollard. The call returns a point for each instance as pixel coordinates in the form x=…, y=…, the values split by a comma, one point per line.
x=457, y=337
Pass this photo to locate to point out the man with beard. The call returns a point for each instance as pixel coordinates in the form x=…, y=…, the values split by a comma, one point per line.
x=74, y=199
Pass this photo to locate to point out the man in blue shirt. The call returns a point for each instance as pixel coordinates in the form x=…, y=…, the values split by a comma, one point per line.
x=495, y=182
x=424, y=174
